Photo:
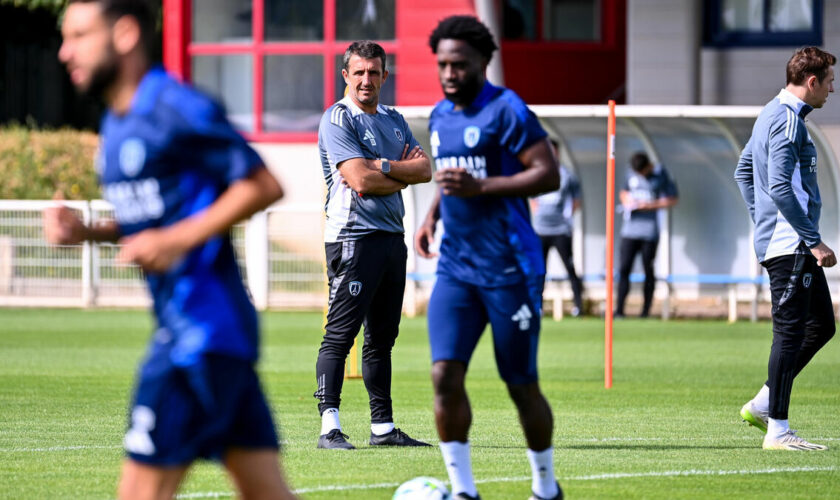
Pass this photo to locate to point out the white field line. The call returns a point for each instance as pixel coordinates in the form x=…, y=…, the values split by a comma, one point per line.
x=60, y=448
x=594, y=477
x=560, y=442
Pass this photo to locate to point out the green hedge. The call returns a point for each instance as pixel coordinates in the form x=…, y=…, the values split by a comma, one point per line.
x=36, y=163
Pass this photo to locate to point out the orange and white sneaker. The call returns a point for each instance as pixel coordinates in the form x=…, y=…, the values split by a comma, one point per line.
x=790, y=441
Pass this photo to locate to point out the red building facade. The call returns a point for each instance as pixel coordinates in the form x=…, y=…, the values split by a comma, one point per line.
x=276, y=64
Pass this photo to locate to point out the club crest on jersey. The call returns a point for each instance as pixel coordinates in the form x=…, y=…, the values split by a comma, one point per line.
x=132, y=156
x=355, y=288
x=471, y=136
x=398, y=133
x=806, y=280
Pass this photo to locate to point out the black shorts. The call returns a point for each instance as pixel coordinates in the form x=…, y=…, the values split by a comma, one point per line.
x=367, y=283
x=799, y=292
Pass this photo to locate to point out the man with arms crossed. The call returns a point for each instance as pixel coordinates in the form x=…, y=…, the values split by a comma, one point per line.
x=491, y=154
x=648, y=189
x=178, y=176
x=777, y=175
x=368, y=155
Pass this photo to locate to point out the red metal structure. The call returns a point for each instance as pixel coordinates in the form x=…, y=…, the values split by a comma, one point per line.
x=542, y=72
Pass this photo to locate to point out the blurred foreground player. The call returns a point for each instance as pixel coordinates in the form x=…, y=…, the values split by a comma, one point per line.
x=178, y=177
x=491, y=154
x=777, y=175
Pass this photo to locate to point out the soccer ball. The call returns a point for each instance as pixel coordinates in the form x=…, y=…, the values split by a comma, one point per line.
x=422, y=488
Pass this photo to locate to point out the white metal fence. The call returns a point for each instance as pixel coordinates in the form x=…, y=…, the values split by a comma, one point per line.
x=283, y=265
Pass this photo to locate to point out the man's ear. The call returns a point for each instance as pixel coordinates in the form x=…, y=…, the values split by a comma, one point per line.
x=126, y=33
x=811, y=82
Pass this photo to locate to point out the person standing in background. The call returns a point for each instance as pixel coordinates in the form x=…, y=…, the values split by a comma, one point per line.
x=647, y=189
x=554, y=223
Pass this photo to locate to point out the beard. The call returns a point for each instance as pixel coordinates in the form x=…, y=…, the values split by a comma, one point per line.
x=103, y=76
x=466, y=93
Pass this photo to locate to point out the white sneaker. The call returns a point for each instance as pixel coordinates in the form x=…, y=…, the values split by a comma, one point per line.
x=754, y=416
x=790, y=441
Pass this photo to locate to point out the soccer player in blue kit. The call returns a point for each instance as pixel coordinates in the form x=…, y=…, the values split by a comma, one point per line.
x=178, y=176
x=491, y=154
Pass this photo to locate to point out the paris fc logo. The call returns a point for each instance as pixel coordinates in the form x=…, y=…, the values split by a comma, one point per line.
x=132, y=156
x=471, y=136
x=355, y=288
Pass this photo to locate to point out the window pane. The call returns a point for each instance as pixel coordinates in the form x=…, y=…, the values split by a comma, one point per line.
x=294, y=93
x=364, y=19
x=229, y=79
x=221, y=20
x=572, y=20
x=791, y=15
x=294, y=20
x=388, y=93
x=742, y=15
x=519, y=20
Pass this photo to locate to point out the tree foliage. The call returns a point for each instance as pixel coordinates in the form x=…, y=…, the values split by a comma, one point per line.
x=52, y=5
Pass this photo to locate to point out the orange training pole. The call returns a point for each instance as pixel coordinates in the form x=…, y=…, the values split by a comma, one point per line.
x=608, y=326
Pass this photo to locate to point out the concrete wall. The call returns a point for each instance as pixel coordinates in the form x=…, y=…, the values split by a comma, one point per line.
x=752, y=76
x=663, y=37
x=664, y=65
x=298, y=168
x=667, y=65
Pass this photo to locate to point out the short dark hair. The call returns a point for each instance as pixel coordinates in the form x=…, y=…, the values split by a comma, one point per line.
x=465, y=28
x=554, y=143
x=366, y=50
x=144, y=11
x=809, y=61
x=639, y=161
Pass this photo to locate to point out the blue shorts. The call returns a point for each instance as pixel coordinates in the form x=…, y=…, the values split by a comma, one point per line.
x=459, y=312
x=182, y=414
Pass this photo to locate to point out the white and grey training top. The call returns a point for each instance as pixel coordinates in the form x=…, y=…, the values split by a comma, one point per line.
x=644, y=224
x=777, y=176
x=347, y=132
x=555, y=209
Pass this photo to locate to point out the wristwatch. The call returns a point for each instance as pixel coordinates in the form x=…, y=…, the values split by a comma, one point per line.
x=385, y=165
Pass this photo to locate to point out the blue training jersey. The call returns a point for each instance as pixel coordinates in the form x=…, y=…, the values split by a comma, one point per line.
x=488, y=240
x=170, y=156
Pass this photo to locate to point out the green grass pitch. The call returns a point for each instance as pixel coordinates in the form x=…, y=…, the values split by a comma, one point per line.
x=669, y=427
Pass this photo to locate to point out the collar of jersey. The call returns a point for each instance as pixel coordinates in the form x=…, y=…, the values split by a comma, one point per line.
x=488, y=91
x=798, y=105
x=144, y=98
x=355, y=110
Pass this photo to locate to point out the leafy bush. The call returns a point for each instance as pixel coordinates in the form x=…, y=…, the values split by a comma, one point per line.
x=36, y=163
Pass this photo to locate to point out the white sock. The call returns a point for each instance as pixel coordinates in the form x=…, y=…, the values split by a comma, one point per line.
x=456, y=457
x=329, y=420
x=761, y=401
x=543, y=482
x=776, y=428
x=380, y=429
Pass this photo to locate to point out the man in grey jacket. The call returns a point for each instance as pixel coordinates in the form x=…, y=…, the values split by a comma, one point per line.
x=777, y=176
